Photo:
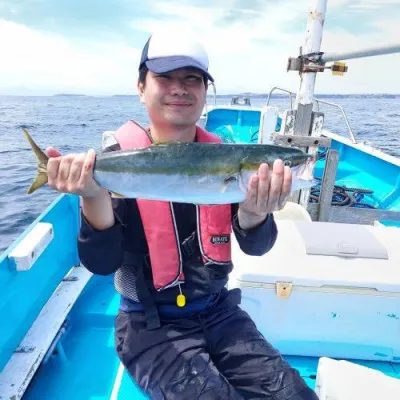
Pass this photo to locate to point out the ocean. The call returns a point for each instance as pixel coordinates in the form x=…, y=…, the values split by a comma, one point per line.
x=75, y=123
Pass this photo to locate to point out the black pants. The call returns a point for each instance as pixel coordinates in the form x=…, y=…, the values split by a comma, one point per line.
x=215, y=354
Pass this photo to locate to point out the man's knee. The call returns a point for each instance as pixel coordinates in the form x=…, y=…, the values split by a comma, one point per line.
x=198, y=378
x=186, y=377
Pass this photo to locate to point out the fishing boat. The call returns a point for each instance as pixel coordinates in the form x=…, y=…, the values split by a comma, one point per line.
x=365, y=176
x=327, y=295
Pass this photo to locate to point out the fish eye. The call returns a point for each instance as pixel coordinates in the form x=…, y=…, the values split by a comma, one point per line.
x=287, y=163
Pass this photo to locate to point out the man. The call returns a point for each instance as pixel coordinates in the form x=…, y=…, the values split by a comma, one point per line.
x=185, y=338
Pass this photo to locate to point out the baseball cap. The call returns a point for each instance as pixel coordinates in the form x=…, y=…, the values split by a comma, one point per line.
x=167, y=51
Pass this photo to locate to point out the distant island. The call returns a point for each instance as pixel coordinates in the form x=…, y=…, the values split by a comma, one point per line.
x=69, y=95
x=125, y=95
x=317, y=95
x=254, y=95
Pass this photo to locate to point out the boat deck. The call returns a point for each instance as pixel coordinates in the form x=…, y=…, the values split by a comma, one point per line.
x=85, y=364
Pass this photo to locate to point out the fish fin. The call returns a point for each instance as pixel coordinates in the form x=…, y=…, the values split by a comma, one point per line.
x=227, y=181
x=42, y=159
x=117, y=195
x=223, y=188
x=40, y=180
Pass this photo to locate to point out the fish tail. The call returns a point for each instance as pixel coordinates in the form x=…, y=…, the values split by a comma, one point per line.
x=42, y=159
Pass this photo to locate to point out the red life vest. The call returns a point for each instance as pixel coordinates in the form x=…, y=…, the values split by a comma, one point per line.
x=213, y=222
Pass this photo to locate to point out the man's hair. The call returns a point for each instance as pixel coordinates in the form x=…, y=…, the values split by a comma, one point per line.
x=143, y=72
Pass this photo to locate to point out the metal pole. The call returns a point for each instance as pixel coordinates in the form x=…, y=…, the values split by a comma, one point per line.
x=304, y=98
x=312, y=44
x=368, y=52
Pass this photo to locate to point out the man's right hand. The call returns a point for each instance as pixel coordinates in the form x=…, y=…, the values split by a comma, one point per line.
x=72, y=173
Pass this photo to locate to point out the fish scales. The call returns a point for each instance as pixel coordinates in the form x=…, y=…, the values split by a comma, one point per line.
x=199, y=173
x=195, y=158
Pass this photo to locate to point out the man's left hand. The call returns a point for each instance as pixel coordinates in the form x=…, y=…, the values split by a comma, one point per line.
x=267, y=192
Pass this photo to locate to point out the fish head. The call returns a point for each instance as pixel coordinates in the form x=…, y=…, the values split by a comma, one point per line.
x=301, y=165
x=295, y=158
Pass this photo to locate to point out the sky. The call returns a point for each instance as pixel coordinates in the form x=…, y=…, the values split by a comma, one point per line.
x=93, y=46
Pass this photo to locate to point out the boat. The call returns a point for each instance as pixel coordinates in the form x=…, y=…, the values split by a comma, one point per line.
x=365, y=178
x=328, y=290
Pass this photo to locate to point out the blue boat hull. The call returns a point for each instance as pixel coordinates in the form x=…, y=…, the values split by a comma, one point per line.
x=24, y=293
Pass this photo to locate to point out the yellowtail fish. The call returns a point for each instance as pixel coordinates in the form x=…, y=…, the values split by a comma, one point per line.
x=197, y=173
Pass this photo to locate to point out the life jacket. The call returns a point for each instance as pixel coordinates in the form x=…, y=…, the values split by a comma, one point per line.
x=213, y=222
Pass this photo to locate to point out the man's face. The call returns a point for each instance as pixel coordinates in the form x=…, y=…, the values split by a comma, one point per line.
x=174, y=98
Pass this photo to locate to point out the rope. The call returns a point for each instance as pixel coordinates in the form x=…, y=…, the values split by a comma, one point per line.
x=343, y=196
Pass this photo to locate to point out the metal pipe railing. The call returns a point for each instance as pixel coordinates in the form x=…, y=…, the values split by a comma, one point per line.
x=317, y=101
x=214, y=92
x=352, y=137
x=282, y=90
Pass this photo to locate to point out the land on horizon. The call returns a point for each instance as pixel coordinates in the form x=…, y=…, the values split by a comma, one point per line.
x=243, y=94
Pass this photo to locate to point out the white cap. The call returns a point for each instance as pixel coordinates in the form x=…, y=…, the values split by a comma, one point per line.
x=167, y=51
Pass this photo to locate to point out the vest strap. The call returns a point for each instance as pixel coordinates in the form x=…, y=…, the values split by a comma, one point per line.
x=150, y=310
x=188, y=246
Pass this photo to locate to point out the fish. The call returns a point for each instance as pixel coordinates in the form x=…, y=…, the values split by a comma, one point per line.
x=196, y=173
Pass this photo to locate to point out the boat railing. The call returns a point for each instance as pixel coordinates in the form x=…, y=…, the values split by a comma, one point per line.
x=352, y=137
x=317, y=101
x=214, y=93
x=275, y=88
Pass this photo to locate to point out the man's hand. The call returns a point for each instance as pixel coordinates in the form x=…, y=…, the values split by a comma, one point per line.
x=267, y=192
x=72, y=173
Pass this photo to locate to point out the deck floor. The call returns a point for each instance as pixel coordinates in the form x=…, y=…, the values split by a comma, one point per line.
x=86, y=365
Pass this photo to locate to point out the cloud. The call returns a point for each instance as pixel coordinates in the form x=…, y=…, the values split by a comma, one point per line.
x=374, y=4
x=75, y=19
x=244, y=53
x=51, y=62
x=371, y=74
x=250, y=54
x=249, y=43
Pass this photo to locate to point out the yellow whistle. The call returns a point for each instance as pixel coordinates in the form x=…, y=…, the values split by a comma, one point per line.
x=181, y=300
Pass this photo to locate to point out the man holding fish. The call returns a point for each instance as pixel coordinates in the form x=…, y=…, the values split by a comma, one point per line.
x=161, y=218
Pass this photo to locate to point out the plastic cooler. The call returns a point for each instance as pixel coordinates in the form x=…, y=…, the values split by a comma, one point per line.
x=343, y=380
x=325, y=289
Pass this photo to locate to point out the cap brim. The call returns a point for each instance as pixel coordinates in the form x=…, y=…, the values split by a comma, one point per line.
x=168, y=64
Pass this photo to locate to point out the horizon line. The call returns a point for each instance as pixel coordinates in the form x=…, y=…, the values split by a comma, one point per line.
x=208, y=95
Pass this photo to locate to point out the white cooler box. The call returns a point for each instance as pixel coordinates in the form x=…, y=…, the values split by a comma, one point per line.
x=326, y=289
x=343, y=380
